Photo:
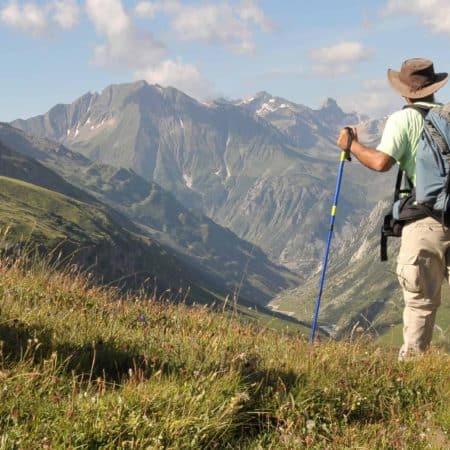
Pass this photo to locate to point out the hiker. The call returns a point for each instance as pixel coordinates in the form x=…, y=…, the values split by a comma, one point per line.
x=424, y=259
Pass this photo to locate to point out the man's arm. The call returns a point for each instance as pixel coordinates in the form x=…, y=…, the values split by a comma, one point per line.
x=369, y=157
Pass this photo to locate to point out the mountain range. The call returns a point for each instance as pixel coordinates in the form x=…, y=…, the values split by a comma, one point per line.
x=262, y=167
x=234, y=188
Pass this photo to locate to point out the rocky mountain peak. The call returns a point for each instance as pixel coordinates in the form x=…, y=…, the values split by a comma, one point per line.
x=332, y=114
x=263, y=95
x=331, y=105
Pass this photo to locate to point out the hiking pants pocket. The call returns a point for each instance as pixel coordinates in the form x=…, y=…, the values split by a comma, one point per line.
x=409, y=276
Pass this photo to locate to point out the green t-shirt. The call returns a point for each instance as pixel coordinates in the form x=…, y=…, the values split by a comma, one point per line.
x=401, y=135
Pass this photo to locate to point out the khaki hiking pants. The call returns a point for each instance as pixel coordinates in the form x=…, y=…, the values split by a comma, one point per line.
x=423, y=263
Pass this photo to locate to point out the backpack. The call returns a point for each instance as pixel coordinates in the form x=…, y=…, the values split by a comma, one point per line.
x=431, y=195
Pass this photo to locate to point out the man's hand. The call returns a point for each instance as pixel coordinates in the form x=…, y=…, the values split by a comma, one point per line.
x=345, y=139
x=370, y=157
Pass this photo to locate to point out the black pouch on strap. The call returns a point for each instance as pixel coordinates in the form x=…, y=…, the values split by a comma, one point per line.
x=391, y=228
x=403, y=210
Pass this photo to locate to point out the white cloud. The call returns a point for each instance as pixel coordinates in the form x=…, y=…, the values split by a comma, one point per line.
x=28, y=17
x=151, y=9
x=130, y=47
x=185, y=77
x=376, y=98
x=39, y=19
x=338, y=59
x=250, y=12
x=345, y=51
x=231, y=25
x=66, y=13
x=435, y=14
x=125, y=45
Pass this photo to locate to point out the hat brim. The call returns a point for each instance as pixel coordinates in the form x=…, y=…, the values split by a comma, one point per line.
x=406, y=91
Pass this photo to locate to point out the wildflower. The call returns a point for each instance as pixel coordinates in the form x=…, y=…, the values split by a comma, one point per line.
x=310, y=425
x=142, y=318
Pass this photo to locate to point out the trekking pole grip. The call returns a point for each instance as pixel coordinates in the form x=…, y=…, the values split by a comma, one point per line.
x=351, y=137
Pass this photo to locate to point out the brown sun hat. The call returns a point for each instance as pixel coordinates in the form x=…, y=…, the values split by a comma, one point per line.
x=417, y=78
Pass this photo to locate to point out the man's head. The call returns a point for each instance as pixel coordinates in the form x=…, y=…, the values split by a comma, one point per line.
x=417, y=79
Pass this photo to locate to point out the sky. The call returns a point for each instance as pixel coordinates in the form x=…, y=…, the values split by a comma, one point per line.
x=54, y=51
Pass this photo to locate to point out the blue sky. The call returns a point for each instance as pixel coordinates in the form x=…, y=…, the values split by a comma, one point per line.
x=53, y=51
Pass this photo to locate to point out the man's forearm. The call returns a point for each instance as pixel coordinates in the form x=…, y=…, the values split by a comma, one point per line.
x=371, y=157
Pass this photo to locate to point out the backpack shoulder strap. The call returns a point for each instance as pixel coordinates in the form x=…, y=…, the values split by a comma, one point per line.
x=422, y=109
x=399, y=185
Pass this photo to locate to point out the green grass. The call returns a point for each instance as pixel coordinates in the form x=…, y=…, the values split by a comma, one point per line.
x=28, y=209
x=82, y=367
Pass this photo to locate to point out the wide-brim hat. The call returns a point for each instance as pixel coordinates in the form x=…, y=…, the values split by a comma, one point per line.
x=417, y=78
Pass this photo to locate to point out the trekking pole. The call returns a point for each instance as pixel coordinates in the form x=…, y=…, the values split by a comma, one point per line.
x=345, y=154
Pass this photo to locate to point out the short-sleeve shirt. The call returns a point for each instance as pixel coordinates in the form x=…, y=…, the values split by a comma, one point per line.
x=401, y=136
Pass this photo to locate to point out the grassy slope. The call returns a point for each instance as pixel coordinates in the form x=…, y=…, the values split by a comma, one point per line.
x=79, y=370
x=37, y=216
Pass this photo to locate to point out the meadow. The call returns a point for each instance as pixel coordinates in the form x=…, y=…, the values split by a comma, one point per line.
x=89, y=367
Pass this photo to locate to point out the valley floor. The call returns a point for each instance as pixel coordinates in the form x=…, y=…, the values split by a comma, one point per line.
x=81, y=367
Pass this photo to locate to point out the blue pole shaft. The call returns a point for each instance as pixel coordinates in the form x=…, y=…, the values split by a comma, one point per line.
x=327, y=249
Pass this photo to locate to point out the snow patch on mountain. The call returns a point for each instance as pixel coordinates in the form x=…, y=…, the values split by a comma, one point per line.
x=265, y=108
x=188, y=180
x=246, y=101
